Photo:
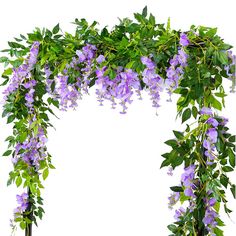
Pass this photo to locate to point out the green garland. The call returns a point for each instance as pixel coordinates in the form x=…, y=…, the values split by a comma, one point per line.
x=50, y=68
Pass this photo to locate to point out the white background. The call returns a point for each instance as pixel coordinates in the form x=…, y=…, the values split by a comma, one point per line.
x=108, y=180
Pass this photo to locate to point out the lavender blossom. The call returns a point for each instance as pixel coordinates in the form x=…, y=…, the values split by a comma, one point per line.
x=187, y=179
x=206, y=111
x=152, y=80
x=173, y=199
x=22, y=72
x=184, y=41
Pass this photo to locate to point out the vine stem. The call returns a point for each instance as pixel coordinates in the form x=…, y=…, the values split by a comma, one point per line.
x=28, y=229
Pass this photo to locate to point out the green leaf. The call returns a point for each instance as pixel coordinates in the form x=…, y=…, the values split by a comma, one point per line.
x=22, y=225
x=186, y=115
x=194, y=112
x=18, y=181
x=3, y=59
x=223, y=58
x=233, y=190
x=224, y=180
x=152, y=20
x=231, y=157
x=227, y=169
x=23, y=137
x=172, y=142
x=56, y=29
x=144, y=12
x=215, y=103
x=218, y=232
x=45, y=173
x=10, y=118
x=172, y=228
x=7, y=153
x=178, y=135
x=176, y=189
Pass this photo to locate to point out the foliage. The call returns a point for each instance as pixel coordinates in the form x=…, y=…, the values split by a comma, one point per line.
x=49, y=69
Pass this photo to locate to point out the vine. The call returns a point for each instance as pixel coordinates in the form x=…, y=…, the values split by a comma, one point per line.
x=49, y=69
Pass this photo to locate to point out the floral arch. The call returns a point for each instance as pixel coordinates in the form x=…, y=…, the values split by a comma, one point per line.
x=48, y=69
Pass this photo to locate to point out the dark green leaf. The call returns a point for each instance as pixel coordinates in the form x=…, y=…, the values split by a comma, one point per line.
x=194, y=112
x=178, y=135
x=7, y=153
x=176, y=189
x=144, y=12
x=233, y=190
x=227, y=169
x=186, y=115
x=10, y=118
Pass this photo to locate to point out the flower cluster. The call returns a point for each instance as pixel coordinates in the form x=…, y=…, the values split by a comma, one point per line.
x=188, y=183
x=32, y=150
x=22, y=73
x=210, y=214
x=187, y=179
x=29, y=96
x=68, y=91
x=211, y=135
x=120, y=88
x=177, y=64
x=153, y=81
x=23, y=202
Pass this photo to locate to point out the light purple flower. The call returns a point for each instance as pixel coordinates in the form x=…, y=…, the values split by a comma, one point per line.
x=187, y=179
x=212, y=135
x=178, y=213
x=173, y=199
x=184, y=41
x=148, y=62
x=206, y=111
x=213, y=122
x=100, y=59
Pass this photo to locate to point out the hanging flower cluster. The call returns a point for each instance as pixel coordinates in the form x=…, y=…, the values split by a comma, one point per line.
x=120, y=88
x=177, y=64
x=153, y=81
x=210, y=215
x=209, y=143
x=32, y=150
x=23, y=74
x=23, y=201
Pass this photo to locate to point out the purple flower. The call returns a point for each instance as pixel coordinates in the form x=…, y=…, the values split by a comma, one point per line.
x=224, y=120
x=179, y=213
x=22, y=72
x=148, y=62
x=173, y=199
x=33, y=55
x=184, y=41
x=170, y=171
x=152, y=80
x=213, y=122
x=206, y=111
x=182, y=57
x=176, y=70
x=23, y=202
x=212, y=135
x=100, y=59
x=81, y=56
x=189, y=192
x=187, y=179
